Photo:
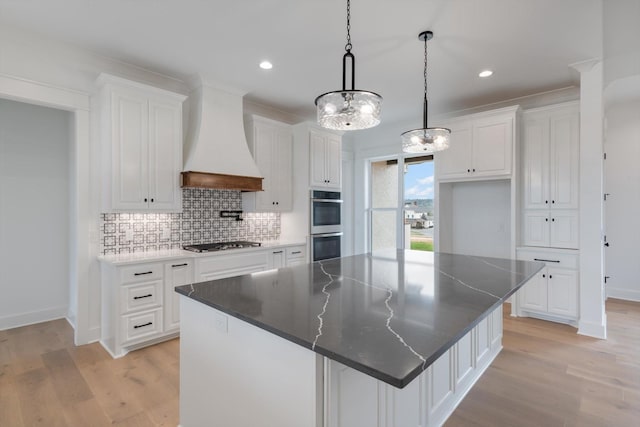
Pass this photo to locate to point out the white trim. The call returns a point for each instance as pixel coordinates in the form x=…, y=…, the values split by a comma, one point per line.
x=32, y=317
x=83, y=249
x=622, y=293
x=591, y=329
x=19, y=89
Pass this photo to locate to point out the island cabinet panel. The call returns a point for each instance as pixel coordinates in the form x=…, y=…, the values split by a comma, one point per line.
x=248, y=377
x=357, y=400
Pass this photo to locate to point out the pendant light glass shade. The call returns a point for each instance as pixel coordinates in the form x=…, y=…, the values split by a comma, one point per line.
x=425, y=140
x=348, y=109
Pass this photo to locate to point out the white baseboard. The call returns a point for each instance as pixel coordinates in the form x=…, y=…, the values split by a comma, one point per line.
x=32, y=317
x=622, y=293
x=593, y=329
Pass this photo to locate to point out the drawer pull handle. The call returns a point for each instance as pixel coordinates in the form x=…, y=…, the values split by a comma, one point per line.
x=296, y=252
x=143, y=325
x=143, y=296
x=179, y=265
x=141, y=274
x=546, y=260
x=277, y=252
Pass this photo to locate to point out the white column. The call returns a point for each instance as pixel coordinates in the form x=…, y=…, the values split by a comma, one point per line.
x=593, y=321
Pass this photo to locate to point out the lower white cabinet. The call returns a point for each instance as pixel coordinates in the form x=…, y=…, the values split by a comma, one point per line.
x=358, y=400
x=553, y=293
x=132, y=306
x=222, y=266
x=296, y=255
x=139, y=303
x=176, y=273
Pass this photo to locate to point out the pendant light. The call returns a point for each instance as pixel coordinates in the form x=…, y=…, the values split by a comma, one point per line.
x=348, y=109
x=425, y=140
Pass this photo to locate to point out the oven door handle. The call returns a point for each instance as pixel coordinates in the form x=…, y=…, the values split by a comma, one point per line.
x=327, y=200
x=327, y=235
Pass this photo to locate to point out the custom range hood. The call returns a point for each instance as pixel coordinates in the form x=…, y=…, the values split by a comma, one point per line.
x=216, y=154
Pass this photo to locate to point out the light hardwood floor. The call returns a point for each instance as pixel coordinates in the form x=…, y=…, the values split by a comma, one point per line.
x=546, y=375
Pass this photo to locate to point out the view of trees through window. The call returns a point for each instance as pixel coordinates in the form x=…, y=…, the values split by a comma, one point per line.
x=418, y=203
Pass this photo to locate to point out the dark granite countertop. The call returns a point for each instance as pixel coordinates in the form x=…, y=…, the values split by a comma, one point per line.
x=389, y=314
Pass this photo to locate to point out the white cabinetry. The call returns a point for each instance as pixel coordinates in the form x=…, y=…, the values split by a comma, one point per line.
x=270, y=143
x=550, y=176
x=482, y=147
x=222, y=266
x=553, y=293
x=176, y=273
x=296, y=255
x=358, y=400
x=325, y=157
x=132, y=306
x=141, y=133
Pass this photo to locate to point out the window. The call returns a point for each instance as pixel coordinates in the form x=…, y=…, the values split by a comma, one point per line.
x=401, y=203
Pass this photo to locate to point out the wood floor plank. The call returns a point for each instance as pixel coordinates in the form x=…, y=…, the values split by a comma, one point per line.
x=39, y=405
x=10, y=414
x=70, y=386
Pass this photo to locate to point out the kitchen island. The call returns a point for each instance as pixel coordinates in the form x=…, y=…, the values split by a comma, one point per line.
x=392, y=338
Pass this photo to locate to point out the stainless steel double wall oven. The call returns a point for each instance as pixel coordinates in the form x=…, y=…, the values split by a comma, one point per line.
x=326, y=224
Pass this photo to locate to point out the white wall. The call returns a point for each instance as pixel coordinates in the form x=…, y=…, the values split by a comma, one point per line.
x=34, y=213
x=622, y=208
x=476, y=218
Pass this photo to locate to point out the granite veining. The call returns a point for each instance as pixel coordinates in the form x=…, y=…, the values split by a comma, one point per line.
x=389, y=314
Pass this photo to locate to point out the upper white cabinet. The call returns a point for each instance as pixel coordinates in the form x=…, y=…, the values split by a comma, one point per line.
x=551, y=158
x=481, y=147
x=325, y=159
x=141, y=132
x=270, y=143
x=550, y=176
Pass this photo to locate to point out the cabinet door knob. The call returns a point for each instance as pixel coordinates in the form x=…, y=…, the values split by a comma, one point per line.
x=145, y=200
x=277, y=203
x=468, y=170
x=273, y=203
x=151, y=200
x=553, y=201
x=544, y=275
x=550, y=276
x=553, y=219
x=546, y=202
x=546, y=219
x=474, y=170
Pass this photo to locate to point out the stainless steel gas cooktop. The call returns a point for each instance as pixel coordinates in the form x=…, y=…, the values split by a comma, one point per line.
x=221, y=246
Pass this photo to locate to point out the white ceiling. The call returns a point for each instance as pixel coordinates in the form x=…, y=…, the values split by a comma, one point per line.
x=528, y=43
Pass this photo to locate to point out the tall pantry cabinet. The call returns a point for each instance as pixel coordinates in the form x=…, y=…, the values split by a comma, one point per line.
x=550, y=211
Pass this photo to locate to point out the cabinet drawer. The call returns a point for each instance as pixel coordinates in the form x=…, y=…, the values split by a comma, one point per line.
x=552, y=259
x=142, y=296
x=141, y=326
x=295, y=252
x=140, y=273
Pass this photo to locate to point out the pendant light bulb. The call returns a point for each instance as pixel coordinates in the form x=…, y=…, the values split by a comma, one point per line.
x=425, y=140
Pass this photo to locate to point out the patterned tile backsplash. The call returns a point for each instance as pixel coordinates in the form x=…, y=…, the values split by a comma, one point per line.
x=199, y=222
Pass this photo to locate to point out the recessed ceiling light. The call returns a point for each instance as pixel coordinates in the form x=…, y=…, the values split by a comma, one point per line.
x=266, y=65
x=485, y=73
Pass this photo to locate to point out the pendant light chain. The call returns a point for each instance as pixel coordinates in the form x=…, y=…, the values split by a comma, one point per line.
x=348, y=46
